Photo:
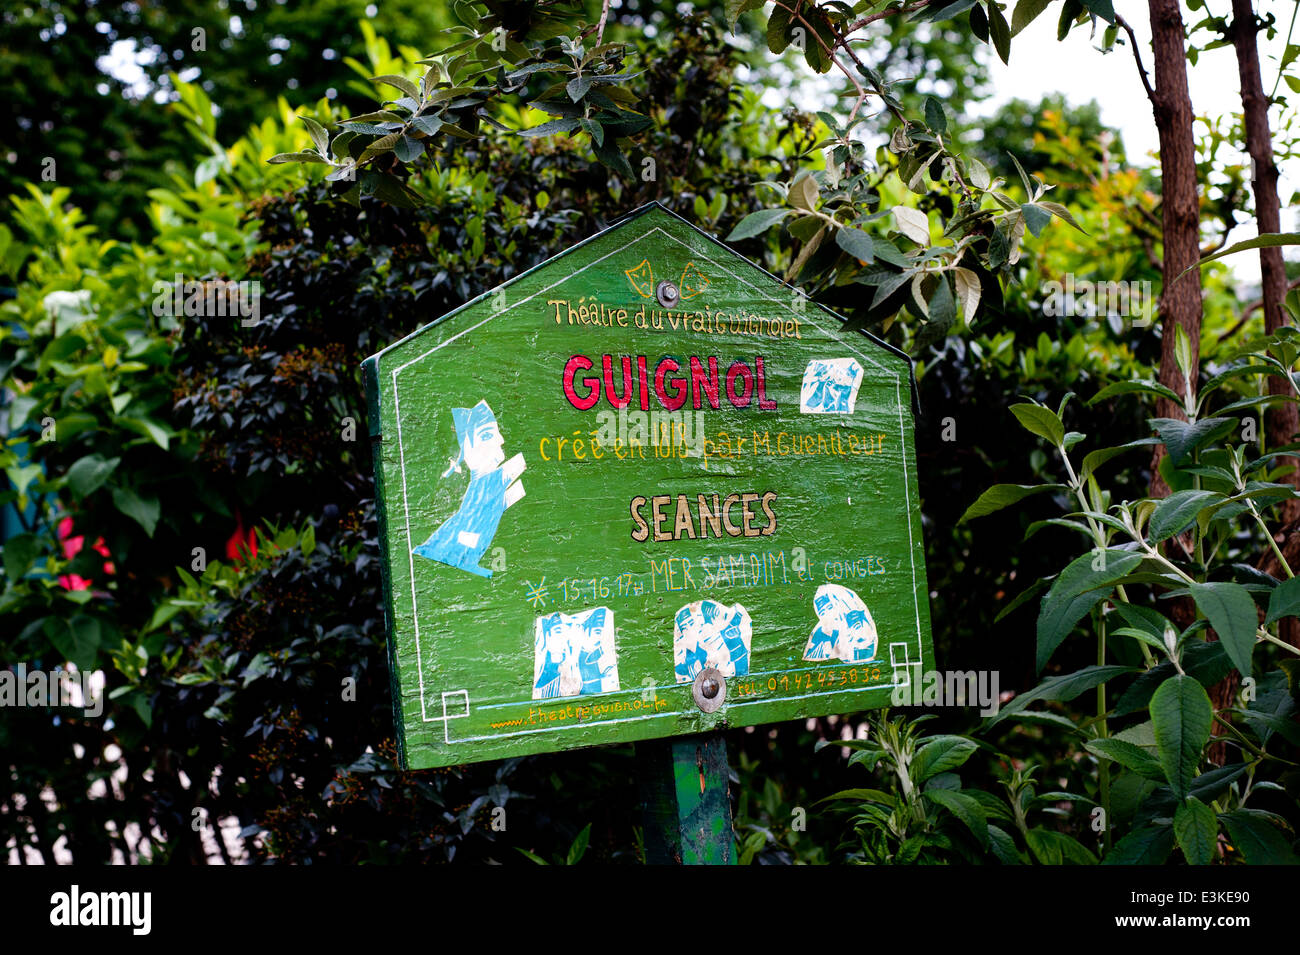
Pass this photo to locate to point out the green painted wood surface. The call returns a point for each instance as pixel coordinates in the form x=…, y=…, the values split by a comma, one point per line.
x=686, y=808
x=846, y=505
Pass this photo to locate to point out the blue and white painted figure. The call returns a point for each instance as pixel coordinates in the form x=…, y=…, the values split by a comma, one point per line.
x=494, y=485
x=845, y=630
x=574, y=654
x=711, y=634
x=830, y=386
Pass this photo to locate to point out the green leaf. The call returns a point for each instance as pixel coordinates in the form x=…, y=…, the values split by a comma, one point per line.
x=1062, y=688
x=297, y=157
x=427, y=124
x=1231, y=611
x=549, y=129
x=999, y=31
x=935, y=117
x=1004, y=847
x=867, y=757
x=1149, y=845
x=1101, y=8
x=1041, y=421
x=968, y=288
x=19, y=554
x=144, y=511
x=861, y=795
x=1058, y=210
x=1284, y=601
x=912, y=223
x=1207, y=663
x=778, y=29
x=1095, y=459
x=1182, y=438
x=1026, y=12
x=1022, y=598
x=966, y=808
x=1152, y=621
x=407, y=149
x=318, y=134
x=940, y=754
x=804, y=193
x=147, y=427
x=756, y=222
x=579, y=847
x=1004, y=495
x=856, y=243
x=1056, y=848
x=1268, y=240
x=1197, y=830
x=1070, y=11
x=578, y=86
x=1128, y=755
x=942, y=306
x=1036, y=217
x=1142, y=635
x=734, y=8
x=398, y=82
x=941, y=11
x=1081, y=586
x=77, y=639
x=381, y=145
x=89, y=473
x=1175, y=512
x=1180, y=717
x=1143, y=385
x=1253, y=834
x=594, y=130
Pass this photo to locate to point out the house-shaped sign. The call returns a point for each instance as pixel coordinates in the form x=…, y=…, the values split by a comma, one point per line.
x=643, y=489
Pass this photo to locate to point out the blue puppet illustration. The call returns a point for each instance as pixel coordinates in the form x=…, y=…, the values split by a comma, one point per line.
x=845, y=630
x=574, y=655
x=711, y=634
x=830, y=386
x=494, y=485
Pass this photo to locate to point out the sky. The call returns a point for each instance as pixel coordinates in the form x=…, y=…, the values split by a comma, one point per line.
x=1075, y=68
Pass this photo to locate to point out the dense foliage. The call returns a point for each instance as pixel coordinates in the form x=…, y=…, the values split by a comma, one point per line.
x=190, y=496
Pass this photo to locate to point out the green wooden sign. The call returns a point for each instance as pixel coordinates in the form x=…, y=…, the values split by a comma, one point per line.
x=644, y=489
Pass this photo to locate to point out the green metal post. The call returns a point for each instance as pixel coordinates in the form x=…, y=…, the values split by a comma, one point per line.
x=686, y=808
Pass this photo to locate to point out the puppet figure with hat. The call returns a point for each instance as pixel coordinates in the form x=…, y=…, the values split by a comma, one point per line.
x=494, y=485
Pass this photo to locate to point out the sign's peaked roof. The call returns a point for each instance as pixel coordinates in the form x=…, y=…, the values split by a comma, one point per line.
x=654, y=208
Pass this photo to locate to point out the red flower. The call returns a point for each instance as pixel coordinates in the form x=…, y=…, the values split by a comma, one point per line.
x=240, y=540
x=71, y=548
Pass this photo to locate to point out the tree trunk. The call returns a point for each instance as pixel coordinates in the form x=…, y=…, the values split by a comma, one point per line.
x=1281, y=421
x=1180, y=299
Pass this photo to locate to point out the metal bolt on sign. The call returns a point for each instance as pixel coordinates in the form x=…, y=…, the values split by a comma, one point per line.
x=667, y=293
x=709, y=689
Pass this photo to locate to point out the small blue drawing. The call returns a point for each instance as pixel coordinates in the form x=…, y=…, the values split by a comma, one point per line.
x=830, y=386
x=845, y=630
x=494, y=485
x=574, y=654
x=711, y=634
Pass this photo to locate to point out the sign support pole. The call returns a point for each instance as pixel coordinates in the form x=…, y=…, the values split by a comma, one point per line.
x=686, y=809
